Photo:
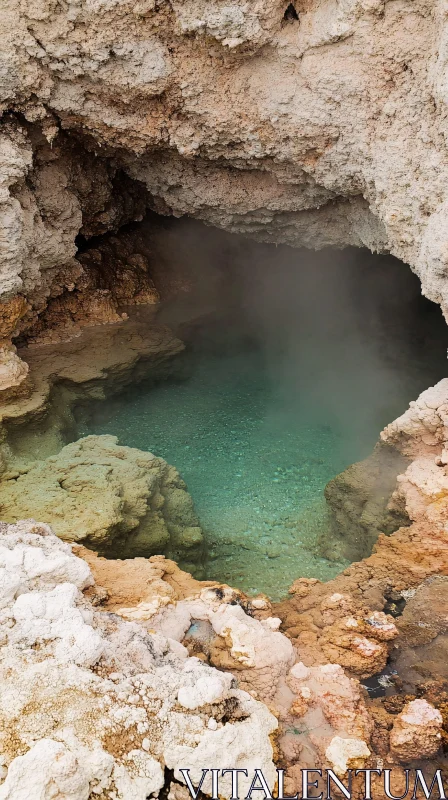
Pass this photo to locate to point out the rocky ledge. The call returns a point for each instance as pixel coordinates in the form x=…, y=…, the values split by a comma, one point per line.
x=96, y=704
x=118, y=500
x=115, y=675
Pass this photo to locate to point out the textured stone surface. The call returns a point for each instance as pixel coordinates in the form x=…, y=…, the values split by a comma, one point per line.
x=38, y=420
x=12, y=369
x=117, y=500
x=329, y=128
x=406, y=473
x=344, y=754
x=326, y=128
x=94, y=701
x=423, y=635
x=359, y=500
x=346, y=620
x=135, y=581
x=92, y=705
x=332, y=618
x=416, y=732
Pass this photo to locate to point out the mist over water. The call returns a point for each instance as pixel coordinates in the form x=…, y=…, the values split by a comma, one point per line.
x=295, y=361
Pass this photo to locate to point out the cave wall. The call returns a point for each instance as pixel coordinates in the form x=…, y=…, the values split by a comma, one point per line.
x=322, y=127
x=325, y=129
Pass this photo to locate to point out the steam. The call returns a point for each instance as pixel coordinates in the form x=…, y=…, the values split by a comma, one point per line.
x=295, y=361
x=345, y=336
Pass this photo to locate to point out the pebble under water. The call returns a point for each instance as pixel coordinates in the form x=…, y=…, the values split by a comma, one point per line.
x=286, y=386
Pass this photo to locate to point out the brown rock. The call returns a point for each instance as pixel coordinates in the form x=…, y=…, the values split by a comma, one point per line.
x=417, y=732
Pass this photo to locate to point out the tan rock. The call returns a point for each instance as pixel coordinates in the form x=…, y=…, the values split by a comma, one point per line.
x=344, y=754
x=130, y=582
x=11, y=311
x=326, y=690
x=99, y=362
x=359, y=644
x=118, y=500
x=416, y=732
x=13, y=370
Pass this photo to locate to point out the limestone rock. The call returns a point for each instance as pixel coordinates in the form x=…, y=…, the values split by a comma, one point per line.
x=134, y=582
x=110, y=275
x=360, y=644
x=406, y=473
x=328, y=691
x=421, y=430
x=117, y=500
x=38, y=225
x=11, y=311
x=423, y=628
x=416, y=732
x=344, y=754
x=259, y=654
x=99, y=363
x=359, y=501
x=92, y=705
x=12, y=369
x=333, y=620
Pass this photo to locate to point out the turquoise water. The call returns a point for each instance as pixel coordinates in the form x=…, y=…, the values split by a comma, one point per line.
x=279, y=397
x=257, y=484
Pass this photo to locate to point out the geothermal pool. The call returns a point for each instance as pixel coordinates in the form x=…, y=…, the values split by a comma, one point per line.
x=283, y=387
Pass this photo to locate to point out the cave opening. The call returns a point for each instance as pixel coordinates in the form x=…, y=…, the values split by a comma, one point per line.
x=290, y=14
x=294, y=361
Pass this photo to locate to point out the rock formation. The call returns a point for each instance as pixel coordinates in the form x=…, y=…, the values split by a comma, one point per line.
x=72, y=376
x=417, y=732
x=114, y=499
x=322, y=126
x=104, y=701
x=423, y=631
x=307, y=123
x=359, y=499
x=93, y=705
x=405, y=474
x=106, y=649
x=343, y=620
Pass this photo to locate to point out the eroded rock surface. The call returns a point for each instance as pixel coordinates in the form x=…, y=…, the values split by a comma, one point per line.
x=322, y=126
x=359, y=500
x=340, y=636
x=93, y=705
x=117, y=500
x=104, y=694
x=318, y=709
x=417, y=732
x=348, y=619
x=394, y=486
x=326, y=126
x=39, y=420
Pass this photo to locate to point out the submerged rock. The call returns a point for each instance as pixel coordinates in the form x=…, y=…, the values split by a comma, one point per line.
x=117, y=500
x=359, y=501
